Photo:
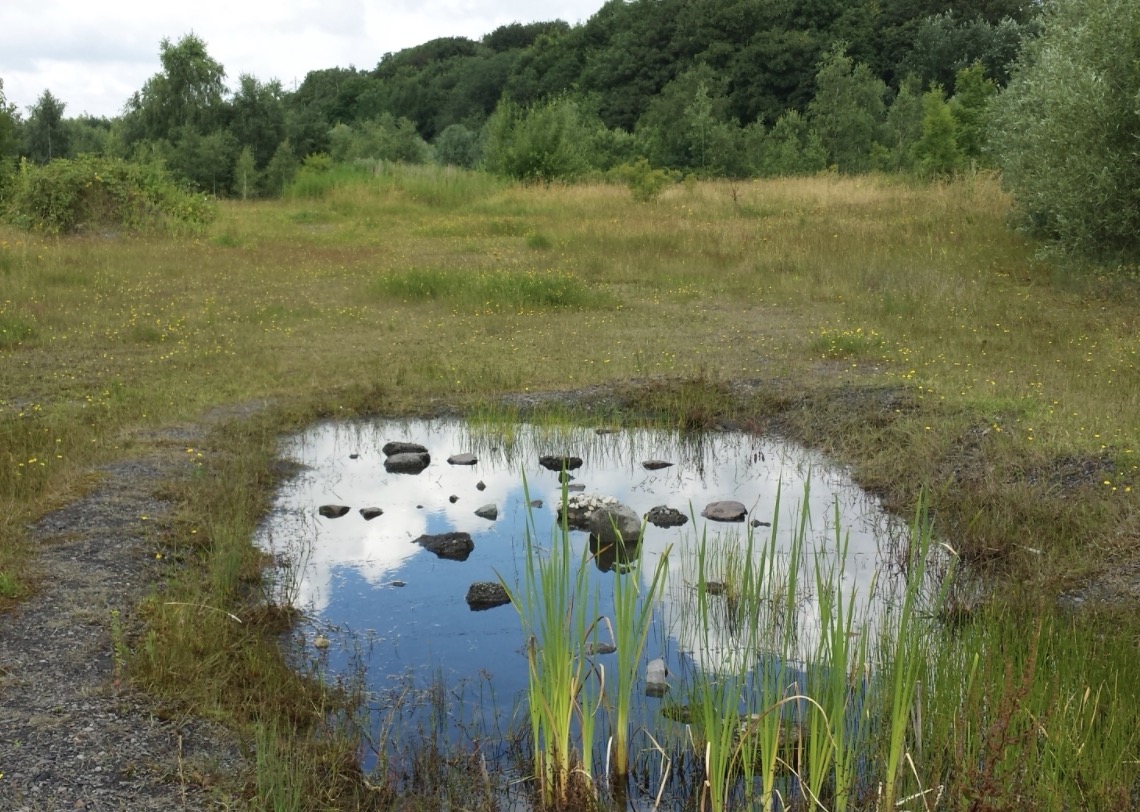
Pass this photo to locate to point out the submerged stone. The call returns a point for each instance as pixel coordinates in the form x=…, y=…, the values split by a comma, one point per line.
x=453, y=546
x=370, y=513
x=409, y=462
x=401, y=447
x=655, y=465
x=490, y=511
x=726, y=511
x=665, y=516
x=333, y=511
x=553, y=462
x=462, y=459
x=486, y=595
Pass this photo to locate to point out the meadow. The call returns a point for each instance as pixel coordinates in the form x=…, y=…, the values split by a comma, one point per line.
x=901, y=327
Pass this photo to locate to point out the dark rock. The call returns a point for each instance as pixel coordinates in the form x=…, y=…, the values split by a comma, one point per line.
x=354, y=456
x=370, y=513
x=397, y=583
x=553, y=462
x=655, y=465
x=411, y=462
x=727, y=511
x=462, y=459
x=489, y=511
x=486, y=595
x=453, y=546
x=398, y=447
x=453, y=499
x=591, y=649
x=716, y=587
x=536, y=503
x=480, y=485
x=333, y=511
x=575, y=488
x=665, y=516
x=758, y=523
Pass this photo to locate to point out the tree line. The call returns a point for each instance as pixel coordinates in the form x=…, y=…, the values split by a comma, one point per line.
x=733, y=88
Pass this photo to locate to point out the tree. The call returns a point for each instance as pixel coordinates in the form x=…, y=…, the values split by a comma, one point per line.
x=245, y=174
x=972, y=95
x=280, y=170
x=45, y=136
x=457, y=146
x=936, y=151
x=904, y=124
x=1065, y=129
x=9, y=133
x=791, y=148
x=539, y=144
x=848, y=111
x=686, y=126
x=257, y=117
x=189, y=92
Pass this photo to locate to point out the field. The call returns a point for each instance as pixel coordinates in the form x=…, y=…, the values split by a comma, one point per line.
x=902, y=328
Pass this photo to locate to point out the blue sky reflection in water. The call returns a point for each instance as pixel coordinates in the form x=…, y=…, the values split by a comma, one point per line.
x=368, y=587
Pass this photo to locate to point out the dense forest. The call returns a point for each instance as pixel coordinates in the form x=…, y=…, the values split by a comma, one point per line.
x=736, y=88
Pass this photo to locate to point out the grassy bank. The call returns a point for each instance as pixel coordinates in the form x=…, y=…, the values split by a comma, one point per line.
x=904, y=329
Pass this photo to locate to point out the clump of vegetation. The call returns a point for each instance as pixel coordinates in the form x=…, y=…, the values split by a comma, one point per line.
x=645, y=183
x=70, y=195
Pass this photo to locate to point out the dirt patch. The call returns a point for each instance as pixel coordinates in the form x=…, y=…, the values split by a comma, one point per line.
x=74, y=735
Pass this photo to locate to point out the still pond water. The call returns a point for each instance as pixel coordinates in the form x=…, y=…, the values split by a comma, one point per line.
x=382, y=602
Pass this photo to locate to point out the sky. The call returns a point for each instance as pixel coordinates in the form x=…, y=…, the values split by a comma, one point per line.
x=93, y=56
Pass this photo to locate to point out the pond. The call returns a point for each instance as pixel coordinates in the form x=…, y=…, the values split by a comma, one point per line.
x=379, y=604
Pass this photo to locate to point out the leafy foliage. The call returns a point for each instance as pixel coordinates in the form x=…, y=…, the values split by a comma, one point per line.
x=539, y=144
x=45, y=134
x=1066, y=126
x=68, y=195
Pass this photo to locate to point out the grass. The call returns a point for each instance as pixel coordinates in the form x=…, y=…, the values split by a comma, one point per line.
x=901, y=328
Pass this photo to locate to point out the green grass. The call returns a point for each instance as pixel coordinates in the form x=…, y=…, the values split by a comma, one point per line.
x=902, y=329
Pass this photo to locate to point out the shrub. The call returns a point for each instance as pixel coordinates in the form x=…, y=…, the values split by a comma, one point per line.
x=1065, y=129
x=66, y=196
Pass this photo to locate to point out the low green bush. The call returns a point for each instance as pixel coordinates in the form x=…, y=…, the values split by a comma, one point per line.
x=70, y=195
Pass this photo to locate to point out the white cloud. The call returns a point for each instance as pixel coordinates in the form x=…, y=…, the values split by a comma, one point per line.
x=93, y=56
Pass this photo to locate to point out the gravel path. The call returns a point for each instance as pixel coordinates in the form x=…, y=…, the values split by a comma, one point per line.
x=72, y=737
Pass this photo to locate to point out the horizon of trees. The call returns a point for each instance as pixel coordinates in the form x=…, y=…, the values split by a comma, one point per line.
x=707, y=87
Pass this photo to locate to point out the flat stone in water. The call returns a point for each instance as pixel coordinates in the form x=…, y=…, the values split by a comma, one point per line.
x=590, y=649
x=655, y=465
x=462, y=459
x=575, y=488
x=665, y=516
x=489, y=511
x=401, y=447
x=333, y=511
x=553, y=462
x=409, y=462
x=483, y=595
x=726, y=511
x=536, y=503
x=370, y=513
x=453, y=546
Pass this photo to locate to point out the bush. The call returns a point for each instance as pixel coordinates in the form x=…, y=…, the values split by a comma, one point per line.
x=67, y=196
x=1065, y=129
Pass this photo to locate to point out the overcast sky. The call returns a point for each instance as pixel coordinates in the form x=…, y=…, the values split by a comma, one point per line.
x=94, y=55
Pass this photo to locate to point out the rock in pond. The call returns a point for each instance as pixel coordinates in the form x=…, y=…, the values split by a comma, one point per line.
x=462, y=459
x=490, y=511
x=591, y=648
x=727, y=511
x=400, y=447
x=616, y=524
x=665, y=516
x=453, y=499
x=480, y=485
x=581, y=506
x=333, y=511
x=552, y=462
x=486, y=595
x=453, y=546
x=370, y=513
x=410, y=462
x=655, y=465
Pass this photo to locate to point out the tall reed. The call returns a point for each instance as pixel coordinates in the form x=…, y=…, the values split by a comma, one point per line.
x=633, y=612
x=555, y=609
